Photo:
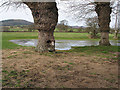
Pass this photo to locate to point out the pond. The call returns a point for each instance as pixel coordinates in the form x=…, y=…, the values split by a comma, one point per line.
x=64, y=44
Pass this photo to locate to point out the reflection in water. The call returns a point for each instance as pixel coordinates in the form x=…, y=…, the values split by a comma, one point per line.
x=64, y=44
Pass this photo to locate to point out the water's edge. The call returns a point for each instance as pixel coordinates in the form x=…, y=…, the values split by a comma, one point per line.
x=64, y=44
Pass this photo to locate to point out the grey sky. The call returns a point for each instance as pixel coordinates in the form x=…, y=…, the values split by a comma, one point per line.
x=21, y=13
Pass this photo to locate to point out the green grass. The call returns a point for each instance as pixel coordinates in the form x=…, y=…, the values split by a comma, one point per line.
x=18, y=29
x=106, y=53
x=95, y=49
x=71, y=36
x=6, y=36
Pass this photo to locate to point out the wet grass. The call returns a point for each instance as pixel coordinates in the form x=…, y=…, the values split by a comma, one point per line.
x=99, y=51
x=6, y=36
x=95, y=49
x=106, y=53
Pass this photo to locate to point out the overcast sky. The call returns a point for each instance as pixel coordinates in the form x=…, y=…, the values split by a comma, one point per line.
x=25, y=14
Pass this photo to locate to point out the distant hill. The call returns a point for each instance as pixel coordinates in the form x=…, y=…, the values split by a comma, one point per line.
x=13, y=22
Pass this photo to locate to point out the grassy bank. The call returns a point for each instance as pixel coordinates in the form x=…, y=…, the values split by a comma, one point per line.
x=6, y=36
x=80, y=67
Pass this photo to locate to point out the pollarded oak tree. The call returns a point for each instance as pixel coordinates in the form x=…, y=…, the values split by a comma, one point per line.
x=103, y=11
x=45, y=16
x=87, y=8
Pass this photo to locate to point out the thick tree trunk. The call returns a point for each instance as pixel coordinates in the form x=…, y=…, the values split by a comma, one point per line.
x=46, y=41
x=45, y=16
x=116, y=34
x=103, y=11
x=94, y=34
x=104, y=39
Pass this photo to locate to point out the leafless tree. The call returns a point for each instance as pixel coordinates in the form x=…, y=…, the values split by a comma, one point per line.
x=64, y=22
x=116, y=13
x=103, y=11
x=92, y=24
x=90, y=8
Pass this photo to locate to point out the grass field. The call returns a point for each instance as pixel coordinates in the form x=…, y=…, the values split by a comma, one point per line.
x=6, y=36
x=80, y=67
x=17, y=29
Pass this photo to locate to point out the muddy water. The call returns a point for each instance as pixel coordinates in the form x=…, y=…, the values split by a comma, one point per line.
x=64, y=44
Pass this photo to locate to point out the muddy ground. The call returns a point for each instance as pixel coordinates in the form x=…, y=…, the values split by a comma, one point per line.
x=27, y=68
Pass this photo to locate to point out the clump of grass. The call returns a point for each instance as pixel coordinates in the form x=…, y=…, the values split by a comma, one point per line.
x=71, y=63
x=11, y=56
x=13, y=78
x=5, y=71
x=104, y=51
x=27, y=52
x=93, y=73
x=110, y=80
x=68, y=62
x=65, y=62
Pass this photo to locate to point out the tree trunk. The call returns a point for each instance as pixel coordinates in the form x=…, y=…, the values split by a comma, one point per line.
x=46, y=41
x=116, y=31
x=104, y=39
x=45, y=16
x=94, y=33
x=116, y=34
x=103, y=11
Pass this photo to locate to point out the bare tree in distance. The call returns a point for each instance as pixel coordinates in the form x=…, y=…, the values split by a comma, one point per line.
x=63, y=25
x=116, y=13
x=45, y=16
x=64, y=22
x=92, y=24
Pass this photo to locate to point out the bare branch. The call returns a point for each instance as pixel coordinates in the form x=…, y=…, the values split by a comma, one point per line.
x=85, y=9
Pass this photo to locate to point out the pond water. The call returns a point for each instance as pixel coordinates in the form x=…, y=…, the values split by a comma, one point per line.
x=64, y=44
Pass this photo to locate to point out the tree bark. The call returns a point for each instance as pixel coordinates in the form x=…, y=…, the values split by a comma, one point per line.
x=116, y=31
x=116, y=34
x=103, y=11
x=46, y=41
x=104, y=39
x=45, y=16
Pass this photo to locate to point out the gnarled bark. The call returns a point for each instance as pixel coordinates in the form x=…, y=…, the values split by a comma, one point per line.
x=46, y=41
x=103, y=11
x=116, y=34
x=45, y=16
